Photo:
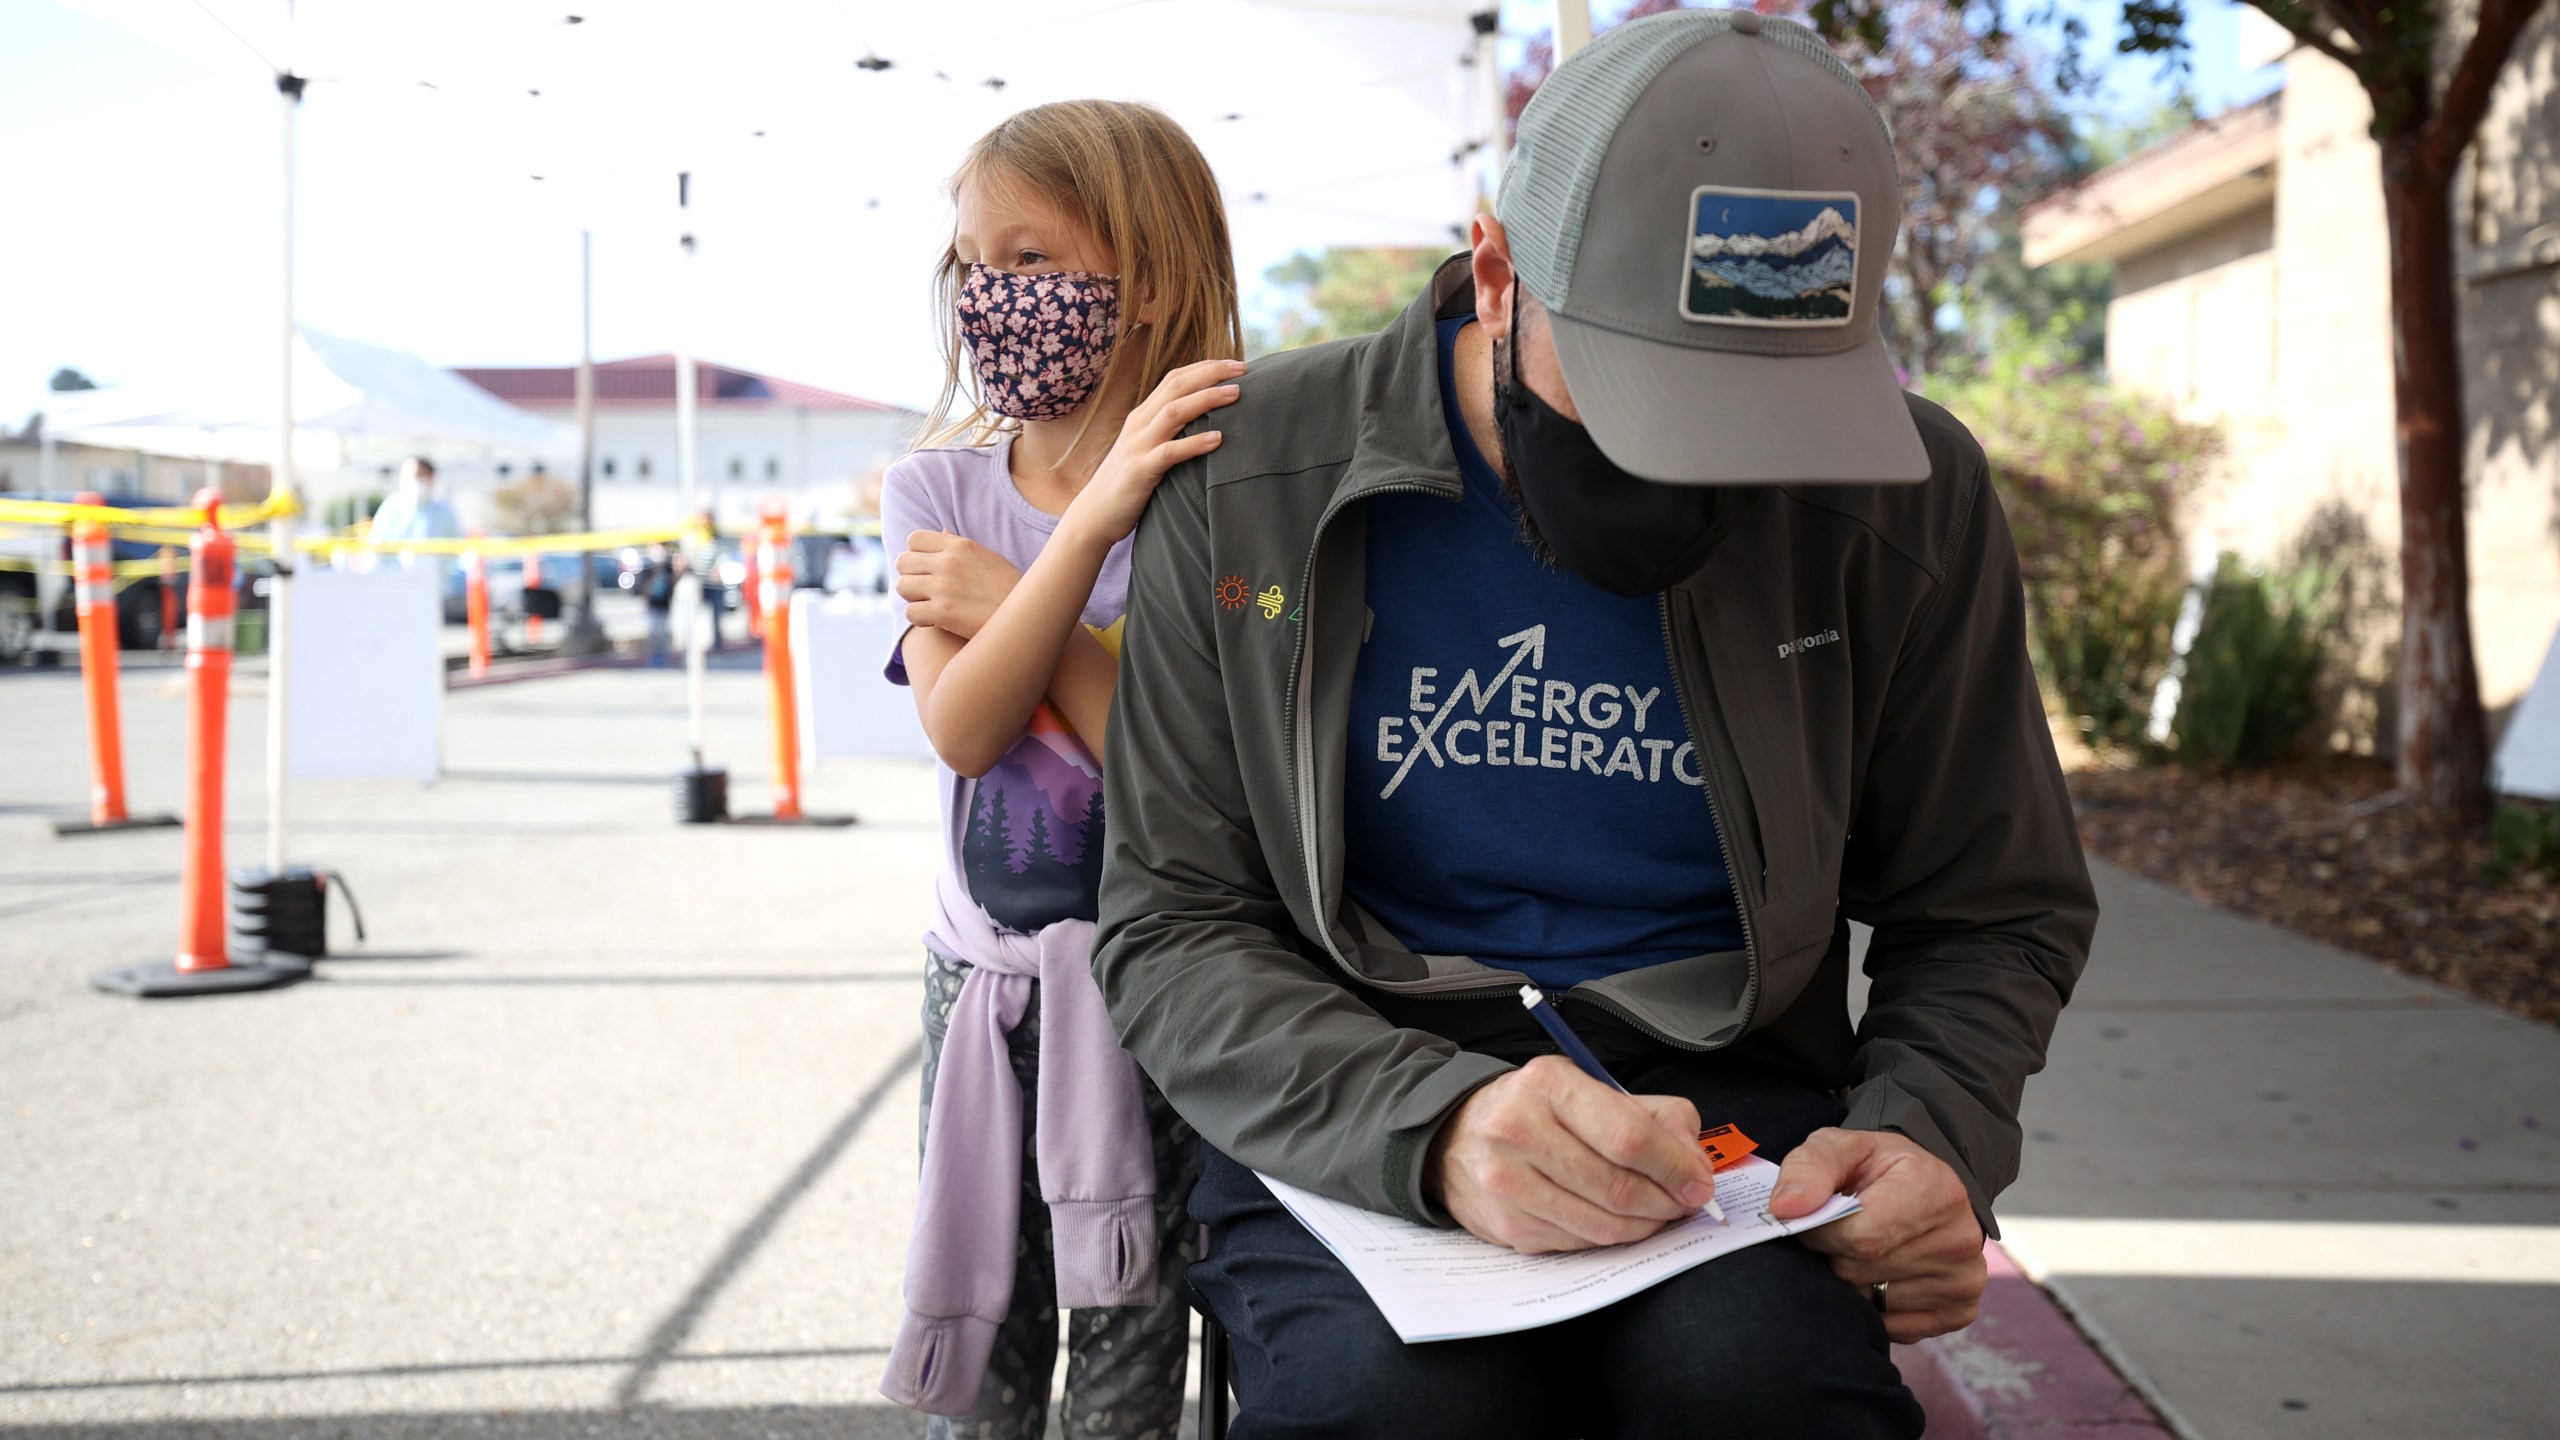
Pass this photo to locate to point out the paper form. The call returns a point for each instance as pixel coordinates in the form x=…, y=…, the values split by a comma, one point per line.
x=1449, y=1285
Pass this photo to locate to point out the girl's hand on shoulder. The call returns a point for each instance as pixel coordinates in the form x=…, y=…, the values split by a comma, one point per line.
x=1151, y=442
x=951, y=583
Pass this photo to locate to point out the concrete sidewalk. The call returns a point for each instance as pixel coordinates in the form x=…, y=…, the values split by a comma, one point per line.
x=608, y=1129
x=2298, y=1194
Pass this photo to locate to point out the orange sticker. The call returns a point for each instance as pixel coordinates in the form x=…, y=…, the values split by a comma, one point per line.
x=1726, y=1146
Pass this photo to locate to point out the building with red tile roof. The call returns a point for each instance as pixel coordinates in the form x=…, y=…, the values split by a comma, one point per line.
x=759, y=435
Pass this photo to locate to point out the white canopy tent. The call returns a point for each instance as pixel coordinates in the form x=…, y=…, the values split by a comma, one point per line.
x=355, y=406
x=2528, y=760
x=1329, y=122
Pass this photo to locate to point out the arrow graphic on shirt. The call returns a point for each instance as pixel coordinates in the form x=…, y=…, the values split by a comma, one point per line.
x=1529, y=645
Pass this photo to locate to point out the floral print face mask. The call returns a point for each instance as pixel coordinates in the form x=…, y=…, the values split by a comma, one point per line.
x=1038, y=342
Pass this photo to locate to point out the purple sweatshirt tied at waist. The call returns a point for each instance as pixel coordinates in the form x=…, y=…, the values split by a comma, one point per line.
x=1096, y=1162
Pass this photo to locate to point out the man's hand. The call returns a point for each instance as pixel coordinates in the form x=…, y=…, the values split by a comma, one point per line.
x=1914, y=1231
x=951, y=583
x=1547, y=1158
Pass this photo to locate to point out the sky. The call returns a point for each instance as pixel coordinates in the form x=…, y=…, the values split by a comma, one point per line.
x=142, y=141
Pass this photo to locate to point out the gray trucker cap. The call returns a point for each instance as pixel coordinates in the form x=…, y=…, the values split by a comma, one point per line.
x=1705, y=201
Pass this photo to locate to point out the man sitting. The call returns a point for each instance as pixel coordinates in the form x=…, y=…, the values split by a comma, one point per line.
x=1611, y=622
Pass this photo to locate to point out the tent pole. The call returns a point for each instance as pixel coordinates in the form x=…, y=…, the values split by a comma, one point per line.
x=687, y=482
x=48, y=485
x=588, y=638
x=1573, y=27
x=280, y=529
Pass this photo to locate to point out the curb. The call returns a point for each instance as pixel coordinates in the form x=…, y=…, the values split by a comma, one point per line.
x=2021, y=1370
x=540, y=669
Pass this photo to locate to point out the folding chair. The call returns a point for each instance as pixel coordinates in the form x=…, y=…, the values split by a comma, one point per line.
x=1216, y=1360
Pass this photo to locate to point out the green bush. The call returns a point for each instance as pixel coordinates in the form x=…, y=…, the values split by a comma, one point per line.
x=2252, y=675
x=347, y=511
x=2525, y=838
x=2092, y=479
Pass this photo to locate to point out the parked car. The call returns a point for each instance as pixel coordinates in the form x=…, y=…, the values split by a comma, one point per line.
x=22, y=626
x=506, y=581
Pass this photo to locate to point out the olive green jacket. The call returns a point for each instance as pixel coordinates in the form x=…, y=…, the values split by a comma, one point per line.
x=1852, y=664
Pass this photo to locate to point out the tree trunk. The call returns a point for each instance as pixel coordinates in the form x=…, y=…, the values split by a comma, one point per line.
x=2443, y=741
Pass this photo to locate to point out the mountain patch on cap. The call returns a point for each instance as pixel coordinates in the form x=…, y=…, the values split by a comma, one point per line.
x=1770, y=257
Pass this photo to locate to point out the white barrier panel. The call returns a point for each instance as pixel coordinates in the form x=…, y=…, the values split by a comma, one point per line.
x=847, y=708
x=2529, y=756
x=368, y=675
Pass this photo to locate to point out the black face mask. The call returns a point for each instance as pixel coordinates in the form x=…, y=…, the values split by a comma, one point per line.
x=1624, y=533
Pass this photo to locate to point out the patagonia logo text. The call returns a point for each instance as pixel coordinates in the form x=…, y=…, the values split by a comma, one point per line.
x=1805, y=642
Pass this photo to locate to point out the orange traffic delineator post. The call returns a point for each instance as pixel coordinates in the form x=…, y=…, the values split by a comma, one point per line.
x=771, y=590
x=751, y=586
x=475, y=605
x=532, y=582
x=94, y=581
x=203, y=965
x=168, y=598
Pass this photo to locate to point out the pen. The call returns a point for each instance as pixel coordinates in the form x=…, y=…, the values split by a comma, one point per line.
x=1580, y=1054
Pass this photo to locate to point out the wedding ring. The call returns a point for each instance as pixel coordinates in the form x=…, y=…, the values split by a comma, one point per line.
x=1875, y=1293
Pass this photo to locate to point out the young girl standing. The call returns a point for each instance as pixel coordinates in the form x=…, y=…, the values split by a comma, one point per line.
x=1092, y=302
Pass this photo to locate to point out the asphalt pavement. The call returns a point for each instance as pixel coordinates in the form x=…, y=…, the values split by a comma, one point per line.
x=607, y=1128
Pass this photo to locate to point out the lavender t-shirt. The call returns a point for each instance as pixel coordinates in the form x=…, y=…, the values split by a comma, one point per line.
x=1024, y=842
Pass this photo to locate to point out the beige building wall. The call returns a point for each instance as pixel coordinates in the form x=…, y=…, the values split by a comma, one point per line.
x=2194, y=321
x=2508, y=220
x=2277, y=322
x=2336, y=452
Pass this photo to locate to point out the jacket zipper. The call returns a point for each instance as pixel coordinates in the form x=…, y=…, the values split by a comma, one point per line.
x=1301, y=745
x=1712, y=773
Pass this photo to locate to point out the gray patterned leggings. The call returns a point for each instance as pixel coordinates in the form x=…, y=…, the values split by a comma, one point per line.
x=1125, y=1364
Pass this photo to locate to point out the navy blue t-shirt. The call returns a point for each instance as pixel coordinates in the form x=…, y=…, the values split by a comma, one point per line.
x=1522, y=788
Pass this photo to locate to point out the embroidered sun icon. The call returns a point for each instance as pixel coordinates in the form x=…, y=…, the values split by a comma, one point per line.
x=1232, y=592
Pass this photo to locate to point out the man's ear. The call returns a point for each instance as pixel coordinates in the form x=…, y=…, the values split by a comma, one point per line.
x=1494, y=277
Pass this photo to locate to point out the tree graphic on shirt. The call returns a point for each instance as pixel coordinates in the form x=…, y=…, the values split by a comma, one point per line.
x=991, y=846
x=1089, y=845
x=1026, y=882
x=1035, y=848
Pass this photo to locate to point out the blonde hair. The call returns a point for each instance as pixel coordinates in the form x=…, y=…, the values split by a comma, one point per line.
x=1131, y=176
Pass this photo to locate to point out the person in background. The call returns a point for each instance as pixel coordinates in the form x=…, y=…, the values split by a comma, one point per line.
x=658, y=593
x=1091, y=296
x=857, y=565
x=704, y=560
x=413, y=512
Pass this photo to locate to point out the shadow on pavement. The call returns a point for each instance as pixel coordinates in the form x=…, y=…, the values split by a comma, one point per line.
x=780, y=1422
x=554, y=777
x=432, y=1370
x=670, y=1333
x=388, y=982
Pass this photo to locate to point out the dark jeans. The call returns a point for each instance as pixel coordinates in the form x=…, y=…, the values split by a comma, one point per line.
x=1763, y=1342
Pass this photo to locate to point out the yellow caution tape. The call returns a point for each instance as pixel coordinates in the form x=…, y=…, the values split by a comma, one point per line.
x=127, y=571
x=181, y=518
x=498, y=544
x=178, y=526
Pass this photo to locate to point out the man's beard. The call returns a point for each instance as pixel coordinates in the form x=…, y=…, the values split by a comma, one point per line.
x=1530, y=534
